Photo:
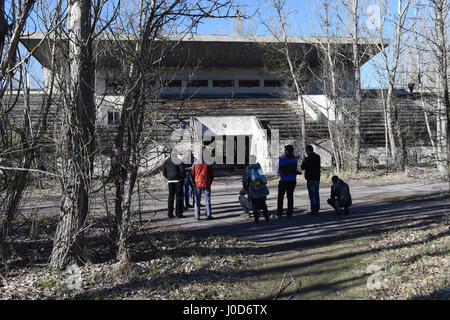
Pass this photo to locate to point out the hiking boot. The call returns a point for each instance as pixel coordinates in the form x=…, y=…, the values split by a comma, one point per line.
x=210, y=218
x=171, y=216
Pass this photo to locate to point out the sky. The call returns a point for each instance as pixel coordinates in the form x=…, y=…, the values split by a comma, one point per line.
x=303, y=21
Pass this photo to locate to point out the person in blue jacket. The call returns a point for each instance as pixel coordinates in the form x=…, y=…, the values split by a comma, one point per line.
x=287, y=169
x=255, y=183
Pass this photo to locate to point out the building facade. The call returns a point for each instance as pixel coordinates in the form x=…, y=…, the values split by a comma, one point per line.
x=235, y=89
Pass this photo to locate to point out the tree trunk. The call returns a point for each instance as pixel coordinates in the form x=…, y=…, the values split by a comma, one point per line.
x=394, y=134
x=79, y=148
x=441, y=10
x=441, y=136
x=329, y=72
x=302, y=121
x=357, y=75
x=418, y=61
x=396, y=140
x=62, y=252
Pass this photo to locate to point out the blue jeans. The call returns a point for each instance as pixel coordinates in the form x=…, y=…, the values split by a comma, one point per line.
x=188, y=190
x=313, y=191
x=207, y=196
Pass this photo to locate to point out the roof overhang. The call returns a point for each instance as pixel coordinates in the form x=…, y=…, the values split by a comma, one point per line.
x=211, y=50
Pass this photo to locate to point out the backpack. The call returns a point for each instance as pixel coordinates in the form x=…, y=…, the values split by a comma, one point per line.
x=344, y=197
x=257, y=180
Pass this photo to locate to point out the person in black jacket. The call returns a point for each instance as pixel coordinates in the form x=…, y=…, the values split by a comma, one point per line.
x=311, y=165
x=175, y=174
x=340, y=196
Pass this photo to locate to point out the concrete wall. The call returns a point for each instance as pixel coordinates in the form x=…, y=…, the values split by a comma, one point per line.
x=106, y=104
x=211, y=74
x=236, y=126
x=419, y=155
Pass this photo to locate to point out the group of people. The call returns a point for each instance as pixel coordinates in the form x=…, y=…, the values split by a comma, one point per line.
x=254, y=193
x=185, y=181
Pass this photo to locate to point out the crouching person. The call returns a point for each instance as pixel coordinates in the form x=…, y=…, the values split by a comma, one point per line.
x=256, y=184
x=340, y=196
x=246, y=204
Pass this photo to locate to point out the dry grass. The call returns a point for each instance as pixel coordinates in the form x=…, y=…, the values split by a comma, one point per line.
x=412, y=263
x=166, y=265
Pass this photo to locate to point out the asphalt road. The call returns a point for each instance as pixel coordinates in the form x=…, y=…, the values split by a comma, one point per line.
x=375, y=209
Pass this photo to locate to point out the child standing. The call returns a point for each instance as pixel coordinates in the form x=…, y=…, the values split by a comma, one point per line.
x=256, y=184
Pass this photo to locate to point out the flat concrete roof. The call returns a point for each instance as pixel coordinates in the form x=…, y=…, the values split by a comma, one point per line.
x=211, y=50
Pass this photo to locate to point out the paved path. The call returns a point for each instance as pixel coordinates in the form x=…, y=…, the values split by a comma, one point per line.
x=374, y=210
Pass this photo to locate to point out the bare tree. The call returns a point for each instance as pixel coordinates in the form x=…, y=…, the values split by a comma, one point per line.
x=390, y=69
x=440, y=19
x=357, y=75
x=153, y=43
x=294, y=61
x=78, y=147
x=436, y=35
x=331, y=64
x=11, y=28
x=19, y=139
x=430, y=33
x=420, y=61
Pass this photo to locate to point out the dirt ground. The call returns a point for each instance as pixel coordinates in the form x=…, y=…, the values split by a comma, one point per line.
x=393, y=219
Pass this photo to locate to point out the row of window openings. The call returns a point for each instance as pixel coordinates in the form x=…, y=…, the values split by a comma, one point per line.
x=226, y=83
x=116, y=86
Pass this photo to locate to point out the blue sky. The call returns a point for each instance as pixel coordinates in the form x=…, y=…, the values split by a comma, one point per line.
x=303, y=21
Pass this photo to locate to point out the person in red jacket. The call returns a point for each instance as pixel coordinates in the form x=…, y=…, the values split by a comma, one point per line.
x=202, y=176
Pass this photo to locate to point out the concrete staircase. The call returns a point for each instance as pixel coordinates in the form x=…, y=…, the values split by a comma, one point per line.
x=409, y=114
x=273, y=113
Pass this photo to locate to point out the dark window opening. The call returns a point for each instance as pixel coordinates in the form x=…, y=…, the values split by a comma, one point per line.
x=223, y=83
x=113, y=117
x=273, y=83
x=249, y=83
x=197, y=83
x=173, y=84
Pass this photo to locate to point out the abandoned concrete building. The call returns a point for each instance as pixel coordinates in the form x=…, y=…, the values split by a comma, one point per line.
x=225, y=84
